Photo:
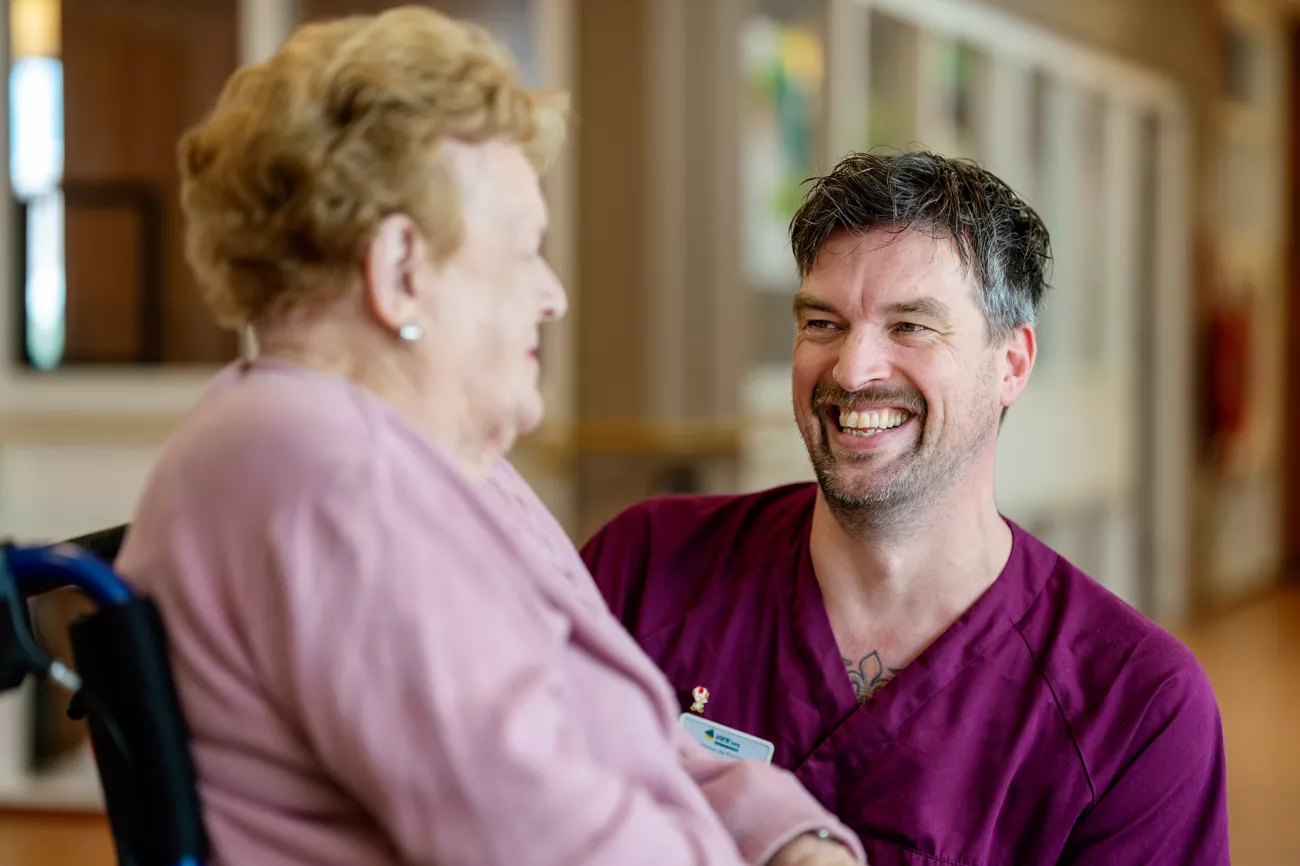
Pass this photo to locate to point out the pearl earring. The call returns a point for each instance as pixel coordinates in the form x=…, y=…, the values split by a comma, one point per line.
x=410, y=332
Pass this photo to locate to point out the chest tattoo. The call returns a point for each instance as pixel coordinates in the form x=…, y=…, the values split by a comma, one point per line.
x=868, y=675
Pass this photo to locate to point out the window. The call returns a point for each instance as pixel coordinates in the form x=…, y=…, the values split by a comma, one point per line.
x=893, y=82
x=1093, y=186
x=100, y=91
x=783, y=81
x=964, y=70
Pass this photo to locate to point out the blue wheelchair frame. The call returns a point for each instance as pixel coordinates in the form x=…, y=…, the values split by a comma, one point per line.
x=124, y=687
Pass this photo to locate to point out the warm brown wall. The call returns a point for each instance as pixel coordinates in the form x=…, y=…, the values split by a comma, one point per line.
x=1291, y=441
x=318, y=10
x=1171, y=36
x=611, y=137
x=137, y=73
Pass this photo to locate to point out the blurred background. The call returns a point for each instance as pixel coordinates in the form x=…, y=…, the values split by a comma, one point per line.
x=1155, y=446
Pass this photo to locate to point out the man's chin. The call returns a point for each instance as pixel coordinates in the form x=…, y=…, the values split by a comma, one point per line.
x=849, y=486
x=856, y=496
x=854, y=476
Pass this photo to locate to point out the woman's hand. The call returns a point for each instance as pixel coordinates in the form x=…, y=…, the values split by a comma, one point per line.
x=812, y=850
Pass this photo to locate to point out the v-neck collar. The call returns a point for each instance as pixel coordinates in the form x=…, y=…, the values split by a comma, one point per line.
x=869, y=725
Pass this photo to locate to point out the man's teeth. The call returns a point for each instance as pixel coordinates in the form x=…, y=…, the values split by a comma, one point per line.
x=866, y=423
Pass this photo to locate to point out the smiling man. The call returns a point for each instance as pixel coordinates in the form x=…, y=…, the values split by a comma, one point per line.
x=951, y=687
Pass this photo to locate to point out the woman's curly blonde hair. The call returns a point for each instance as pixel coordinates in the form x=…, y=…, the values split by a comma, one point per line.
x=286, y=179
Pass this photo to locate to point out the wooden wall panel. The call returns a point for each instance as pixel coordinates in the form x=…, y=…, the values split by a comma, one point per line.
x=137, y=73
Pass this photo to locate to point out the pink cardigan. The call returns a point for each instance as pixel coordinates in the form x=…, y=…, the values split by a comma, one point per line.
x=384, y=662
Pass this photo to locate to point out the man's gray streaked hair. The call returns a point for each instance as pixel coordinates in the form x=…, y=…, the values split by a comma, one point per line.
x=996, y=233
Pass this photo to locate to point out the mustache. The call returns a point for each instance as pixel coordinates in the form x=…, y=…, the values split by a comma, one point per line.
x=830, y=394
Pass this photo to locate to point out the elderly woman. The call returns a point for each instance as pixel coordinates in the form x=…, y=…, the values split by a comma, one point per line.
x=388, y=652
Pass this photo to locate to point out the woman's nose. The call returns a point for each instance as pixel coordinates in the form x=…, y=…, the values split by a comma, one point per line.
x=555, y=301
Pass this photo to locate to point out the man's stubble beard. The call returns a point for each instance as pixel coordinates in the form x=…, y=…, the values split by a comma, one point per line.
x=913, y=482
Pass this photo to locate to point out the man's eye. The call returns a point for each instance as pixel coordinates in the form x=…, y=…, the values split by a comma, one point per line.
x=819, y=325
x=910, y=327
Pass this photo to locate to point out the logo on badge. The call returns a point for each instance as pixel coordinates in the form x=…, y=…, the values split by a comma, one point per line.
x=726, y=741
x=722, y=741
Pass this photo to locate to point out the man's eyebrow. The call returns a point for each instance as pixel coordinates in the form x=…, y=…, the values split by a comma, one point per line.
x=806, y=303
x=931, y=307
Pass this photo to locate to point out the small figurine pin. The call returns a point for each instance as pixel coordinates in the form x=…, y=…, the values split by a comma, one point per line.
x=701, y=695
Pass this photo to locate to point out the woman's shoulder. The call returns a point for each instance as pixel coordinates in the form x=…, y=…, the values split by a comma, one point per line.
x=266, y=435
x=272, y=423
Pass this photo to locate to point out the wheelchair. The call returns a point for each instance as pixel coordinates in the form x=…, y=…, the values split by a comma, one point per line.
x=122, y=685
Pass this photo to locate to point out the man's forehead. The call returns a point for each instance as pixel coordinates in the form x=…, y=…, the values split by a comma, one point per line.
x=886, y=266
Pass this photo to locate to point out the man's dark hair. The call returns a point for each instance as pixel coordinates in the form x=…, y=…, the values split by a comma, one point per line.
x=996, y=233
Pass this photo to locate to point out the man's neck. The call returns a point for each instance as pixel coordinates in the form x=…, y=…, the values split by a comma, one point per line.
x=893, y=590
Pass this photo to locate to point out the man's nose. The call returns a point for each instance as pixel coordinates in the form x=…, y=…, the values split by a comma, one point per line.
x=863, y=361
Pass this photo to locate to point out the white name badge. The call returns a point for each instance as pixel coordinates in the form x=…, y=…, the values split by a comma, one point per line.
x=725, y=741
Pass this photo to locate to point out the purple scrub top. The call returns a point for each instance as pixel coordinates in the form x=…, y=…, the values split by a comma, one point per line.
x=1051, y=723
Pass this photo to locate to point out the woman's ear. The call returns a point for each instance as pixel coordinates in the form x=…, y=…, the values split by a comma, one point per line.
x=391, y=260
